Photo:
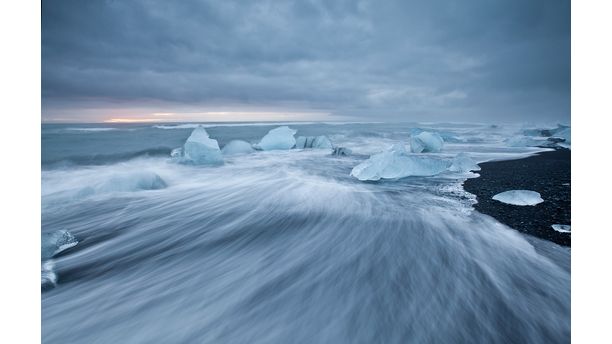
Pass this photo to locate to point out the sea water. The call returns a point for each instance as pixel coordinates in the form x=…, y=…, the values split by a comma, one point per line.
x=285, y=246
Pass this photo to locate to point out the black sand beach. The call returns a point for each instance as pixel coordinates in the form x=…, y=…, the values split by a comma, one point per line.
x=548, y=173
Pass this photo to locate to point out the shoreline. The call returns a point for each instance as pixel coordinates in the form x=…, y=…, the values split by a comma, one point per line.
x=548, y=173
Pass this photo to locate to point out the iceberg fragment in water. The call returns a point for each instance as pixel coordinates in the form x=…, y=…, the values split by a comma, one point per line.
x=519, y=197
x=278, y=138
x=201, y=149
x=342, y=151
x=321, y=141
x=56, y=242
x=426, y=142
x=48, y=278
x=237, y=147
x=396, y=163
x=562, y=228
x=463, y=163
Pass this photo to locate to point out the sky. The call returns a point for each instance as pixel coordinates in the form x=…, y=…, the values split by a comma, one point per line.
x=492, y=61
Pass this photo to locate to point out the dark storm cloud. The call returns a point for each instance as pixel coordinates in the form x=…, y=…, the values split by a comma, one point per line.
x=396, y=60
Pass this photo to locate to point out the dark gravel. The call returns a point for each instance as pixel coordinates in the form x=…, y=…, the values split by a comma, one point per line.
x=545, y=173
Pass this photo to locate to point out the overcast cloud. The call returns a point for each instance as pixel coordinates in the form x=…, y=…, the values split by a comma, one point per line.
x=481, y=60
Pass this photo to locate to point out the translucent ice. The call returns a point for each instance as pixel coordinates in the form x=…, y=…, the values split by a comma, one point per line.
x=322, y=142
x=313, y=142
x=303, y=142
x=237, y=147
x=52, y=244
x=562, y=228
x=426, y=142
x=201, y=149
x=278, y=138
x=396, y=163
x=463, y=163
x=48, y=278
x=519, y=197
x=56, y=242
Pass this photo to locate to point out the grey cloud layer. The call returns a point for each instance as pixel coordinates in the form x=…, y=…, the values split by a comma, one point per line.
x=396, y=60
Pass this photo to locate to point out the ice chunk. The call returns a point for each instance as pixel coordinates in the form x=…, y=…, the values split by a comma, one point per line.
x=201, y=149
x=342, y=151
x=519, y=197
x=396, y=163
x=176, y=152
x=237, y=147
x=304, y=142
x=562, y=228
x=56, y=242
x=463, y=163
x=322, y=141
x=52, y=244
x=278, y=138
x=48, y=278
x=426, y=142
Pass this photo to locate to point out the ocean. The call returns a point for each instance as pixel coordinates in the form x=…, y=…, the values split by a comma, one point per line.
x=285, y=246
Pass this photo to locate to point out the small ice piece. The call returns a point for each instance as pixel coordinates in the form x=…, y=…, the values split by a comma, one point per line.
x=48, y=278
x=342, y=151
x=426, y=142
x=562, y=228
x=278, y=138
x=321, y=141
x=519, y=197
x=396, y=163
x=463, y=163
x=237, y=147
x=56, y=242
x=176, y=152
x=201, y=149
